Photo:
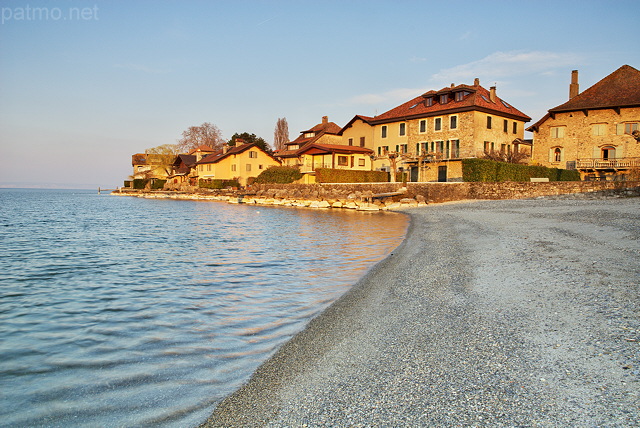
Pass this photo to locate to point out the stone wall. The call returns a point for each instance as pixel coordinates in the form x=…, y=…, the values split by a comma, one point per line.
x=390, y=196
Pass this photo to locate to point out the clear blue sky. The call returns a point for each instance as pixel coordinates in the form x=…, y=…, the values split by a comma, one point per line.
x=85, y=84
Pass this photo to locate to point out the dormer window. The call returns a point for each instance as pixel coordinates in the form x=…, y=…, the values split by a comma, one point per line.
x=309, y=134
x=429, y=102
x=444, y=98
x=459, y=96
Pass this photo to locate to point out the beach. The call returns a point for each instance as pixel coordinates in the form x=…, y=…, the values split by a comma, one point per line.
x=490, y=313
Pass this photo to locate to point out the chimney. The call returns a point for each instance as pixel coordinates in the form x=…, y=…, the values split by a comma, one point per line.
x=239, y=142
x=225, y=149
x=492, y=94
x=325, y=120
x=453, y=85
x=476, y=82
x=574, y=88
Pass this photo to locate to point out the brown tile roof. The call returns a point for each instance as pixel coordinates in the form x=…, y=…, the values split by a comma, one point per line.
x=202, y=149
x=220, y=154
x=365, y=119
x=619, y=89
x=327, y=128
x=476, y=98
x=335, y=148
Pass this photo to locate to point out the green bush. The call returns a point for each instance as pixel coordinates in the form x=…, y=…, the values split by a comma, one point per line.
x=217, y=184
x=157, y=184
x=330, y=175
x=493, y=171
x=279, y=174
x=128, y=183
x=140, y=183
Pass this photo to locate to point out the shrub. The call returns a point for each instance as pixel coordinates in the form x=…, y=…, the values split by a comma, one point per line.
x=139, y=183
x=279, y=174
x=157, y=184
x=492, y=171
x=330, y=175
x=217, y=184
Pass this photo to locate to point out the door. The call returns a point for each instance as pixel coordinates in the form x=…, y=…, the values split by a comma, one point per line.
x=442, y=173
x=414, y=174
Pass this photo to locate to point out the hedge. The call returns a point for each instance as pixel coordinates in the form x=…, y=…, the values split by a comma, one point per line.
x=279, y=174
x=492, y=171
x=217, y=184
x=330, y=175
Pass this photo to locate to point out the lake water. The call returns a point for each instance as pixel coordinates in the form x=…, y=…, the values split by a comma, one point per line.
x=120, y=311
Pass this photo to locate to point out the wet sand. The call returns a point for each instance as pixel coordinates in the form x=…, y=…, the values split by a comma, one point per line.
x=491, y=313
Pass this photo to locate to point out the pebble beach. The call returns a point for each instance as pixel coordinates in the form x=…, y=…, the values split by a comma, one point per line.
x=490, y=313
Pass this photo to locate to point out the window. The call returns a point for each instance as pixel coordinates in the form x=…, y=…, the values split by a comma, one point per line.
x=260, y=166
x=351, y=141
x=439, y=146
x=505, y=126
x=608, y=152
x=488, y=122
x=361, y=162
x=382, y=150
x=444, y=98
x=437, y=124
x=487, y=147
x=343, y=160
x=404, y=148
x=557, y=154
x=209, y=167
x=248, y=167
x=503, y=148
x=403, y=129
x=253, y=154
x=453, y=122
x=447, y=152
x=459, y=96
x=626, y=128
x=384, y=131
x=557, y=132
x=515, y=127
x=233, y=167
x=429, y=102
x=423, y=126
x=361, y=141
x=455, y=148
x=598, y=129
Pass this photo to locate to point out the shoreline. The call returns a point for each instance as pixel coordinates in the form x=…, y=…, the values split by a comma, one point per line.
x=519, y=312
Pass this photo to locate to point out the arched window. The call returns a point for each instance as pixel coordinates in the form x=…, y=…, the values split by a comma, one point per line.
x=557, y=154
x=608, y=152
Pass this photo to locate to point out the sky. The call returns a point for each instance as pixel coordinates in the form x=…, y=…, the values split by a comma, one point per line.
x=86, y=84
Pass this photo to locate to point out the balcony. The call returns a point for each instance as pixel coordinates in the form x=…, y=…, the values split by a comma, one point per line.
x=610, y=164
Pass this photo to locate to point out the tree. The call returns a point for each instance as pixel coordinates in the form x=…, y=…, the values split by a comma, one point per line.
x=281, y=134
x=160, y=160
x=510, y=157
x=206, y=134
x=251, y=138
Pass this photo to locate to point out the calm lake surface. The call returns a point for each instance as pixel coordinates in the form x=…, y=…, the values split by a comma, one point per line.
x=120, y=311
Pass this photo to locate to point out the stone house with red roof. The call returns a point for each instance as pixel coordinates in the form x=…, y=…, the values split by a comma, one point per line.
x=323, y=147
x=240, y=162
x=596, y=131
x=429, y=135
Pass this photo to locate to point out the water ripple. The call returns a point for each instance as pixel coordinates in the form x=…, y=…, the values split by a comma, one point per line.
x=130, y=312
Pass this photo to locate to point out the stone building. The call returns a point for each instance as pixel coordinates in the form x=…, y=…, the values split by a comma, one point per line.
x=596, y=131
x=429, y=135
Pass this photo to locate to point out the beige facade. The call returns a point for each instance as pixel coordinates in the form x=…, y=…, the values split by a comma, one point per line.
x=238, y=163
x=592, y=132
x=454, y=123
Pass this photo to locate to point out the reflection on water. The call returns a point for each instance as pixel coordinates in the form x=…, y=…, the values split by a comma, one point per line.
x=122, y=311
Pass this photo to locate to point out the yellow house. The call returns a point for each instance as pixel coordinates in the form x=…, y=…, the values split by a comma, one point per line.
x=596, y=131
x=429, y=135
x=323, y=147
x=240, y=162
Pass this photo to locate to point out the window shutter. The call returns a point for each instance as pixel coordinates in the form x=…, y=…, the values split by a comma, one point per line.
x=562, y=155
x=596, y=152
x=620, y=129
x=619, y=152
x=551, y=154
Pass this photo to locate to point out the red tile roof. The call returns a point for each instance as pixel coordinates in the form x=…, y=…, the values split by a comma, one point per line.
x=335, y=148
x=619, y=89
x=365, y=119
x=475, y=98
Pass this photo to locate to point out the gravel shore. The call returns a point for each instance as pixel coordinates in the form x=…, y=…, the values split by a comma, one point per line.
x=491, y=313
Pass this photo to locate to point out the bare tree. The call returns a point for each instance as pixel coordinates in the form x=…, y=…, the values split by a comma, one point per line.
x=281, y=134
x=206, y=134
x=510, y=157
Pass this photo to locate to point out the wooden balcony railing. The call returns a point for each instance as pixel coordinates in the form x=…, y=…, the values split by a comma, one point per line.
x=622, y=163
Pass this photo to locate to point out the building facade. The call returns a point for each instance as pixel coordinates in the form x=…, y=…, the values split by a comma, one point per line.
x=428, y=136
x=596, y=131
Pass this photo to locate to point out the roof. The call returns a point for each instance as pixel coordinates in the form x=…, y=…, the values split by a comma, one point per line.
x=334, y=148
x=220, y=154
x=327, y=128
x=474, y=98
x=619, y=89
x=202, y=148
x=365, y=119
